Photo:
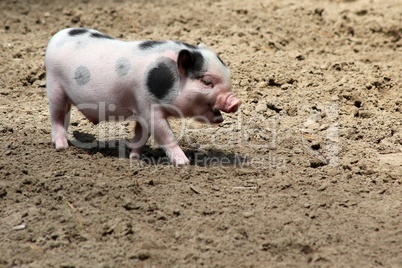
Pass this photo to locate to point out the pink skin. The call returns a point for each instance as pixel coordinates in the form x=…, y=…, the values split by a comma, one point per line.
x=228, y=103
x=202, y=98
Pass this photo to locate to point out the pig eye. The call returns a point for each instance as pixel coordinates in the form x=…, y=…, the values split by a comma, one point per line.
x=207, y=81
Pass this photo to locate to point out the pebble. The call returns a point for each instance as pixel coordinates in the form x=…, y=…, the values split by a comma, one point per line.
x=248, y=214
x=19, y=227
x=176, y=212
x=286, y=86
x=322, y=188
x=195, y=189
x=216, y=188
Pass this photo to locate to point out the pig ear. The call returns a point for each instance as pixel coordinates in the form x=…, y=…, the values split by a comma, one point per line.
x=184, y=61
x=191, y=63
x=202, y=45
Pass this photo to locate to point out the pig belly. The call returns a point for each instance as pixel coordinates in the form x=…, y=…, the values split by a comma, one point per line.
x=102, y=111
x=103, y=99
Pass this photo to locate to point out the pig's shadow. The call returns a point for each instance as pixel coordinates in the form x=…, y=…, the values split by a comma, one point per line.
x=154, y=156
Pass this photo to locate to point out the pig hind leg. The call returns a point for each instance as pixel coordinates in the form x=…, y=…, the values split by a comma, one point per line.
x=141, y=136
x=59, y=107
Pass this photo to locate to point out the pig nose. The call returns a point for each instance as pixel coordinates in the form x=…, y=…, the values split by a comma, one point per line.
x=233, y=105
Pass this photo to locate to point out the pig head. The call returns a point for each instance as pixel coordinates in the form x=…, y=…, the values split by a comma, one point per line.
x=205, y=86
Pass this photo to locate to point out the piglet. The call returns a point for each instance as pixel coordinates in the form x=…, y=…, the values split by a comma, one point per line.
x=145, y=81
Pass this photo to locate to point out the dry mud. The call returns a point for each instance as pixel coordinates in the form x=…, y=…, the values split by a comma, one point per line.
x=308, y=173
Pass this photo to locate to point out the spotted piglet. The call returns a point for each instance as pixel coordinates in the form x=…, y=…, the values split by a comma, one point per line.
x=145, y=81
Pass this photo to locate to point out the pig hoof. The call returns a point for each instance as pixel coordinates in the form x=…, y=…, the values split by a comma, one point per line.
x=134, y=155
x=61, y=145
x=182, y=161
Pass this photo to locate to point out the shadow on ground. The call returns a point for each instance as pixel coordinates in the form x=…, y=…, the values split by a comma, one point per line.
x=154, y=156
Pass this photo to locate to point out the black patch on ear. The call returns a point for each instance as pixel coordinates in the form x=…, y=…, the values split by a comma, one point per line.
x=194, y=63
x=150, y=44
x=99, y=35
x=77, y=31
x=160, y=80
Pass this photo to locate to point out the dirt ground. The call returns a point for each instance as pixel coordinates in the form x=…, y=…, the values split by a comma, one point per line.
x=308, y=173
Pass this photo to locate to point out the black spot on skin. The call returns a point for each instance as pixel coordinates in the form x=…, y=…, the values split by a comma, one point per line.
x=100, y=35
x=77, y=31
x=160, y=80
x=122, y=66
x=150, y=44
x=82, y=75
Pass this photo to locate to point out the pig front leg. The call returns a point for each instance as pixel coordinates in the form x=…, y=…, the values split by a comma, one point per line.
x=164, y=136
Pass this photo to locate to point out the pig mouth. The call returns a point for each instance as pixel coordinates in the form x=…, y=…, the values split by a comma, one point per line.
x=217, y=116
x=211, y=116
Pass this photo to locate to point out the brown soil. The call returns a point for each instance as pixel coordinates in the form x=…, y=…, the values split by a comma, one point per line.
x=307, y=173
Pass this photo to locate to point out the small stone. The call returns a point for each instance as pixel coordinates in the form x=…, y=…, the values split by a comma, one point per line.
x=195, y=189
x=40, y=83
x=209, y=241
x=322, y=188
x=216, y=188
x=382, y=191
x=19, y=227
x=248, y=214
x=176, y=212
x=324, y=127
x=161, y=216
x=176, y=235
x=129, y=205
x=286, y=86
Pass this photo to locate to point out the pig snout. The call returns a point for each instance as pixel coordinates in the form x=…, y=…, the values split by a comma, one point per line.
x=228, y=104
x=232, y=104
